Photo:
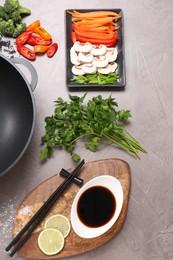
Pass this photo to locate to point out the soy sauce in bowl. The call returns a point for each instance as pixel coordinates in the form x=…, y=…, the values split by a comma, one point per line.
x=96, y=206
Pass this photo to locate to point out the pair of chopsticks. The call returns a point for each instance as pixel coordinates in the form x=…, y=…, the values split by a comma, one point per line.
x=41, y=213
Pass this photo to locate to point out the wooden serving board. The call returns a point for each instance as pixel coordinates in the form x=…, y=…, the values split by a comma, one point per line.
x=73, y=243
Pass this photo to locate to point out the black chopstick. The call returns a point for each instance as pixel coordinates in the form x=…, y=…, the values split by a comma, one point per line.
x=41, y=213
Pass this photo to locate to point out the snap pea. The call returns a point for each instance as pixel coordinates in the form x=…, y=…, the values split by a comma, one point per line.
x=96, y=78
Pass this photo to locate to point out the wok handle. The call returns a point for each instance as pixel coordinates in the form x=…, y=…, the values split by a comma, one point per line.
x=32, y=70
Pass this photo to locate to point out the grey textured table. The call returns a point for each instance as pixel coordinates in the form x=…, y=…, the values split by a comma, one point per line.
x=148, y=230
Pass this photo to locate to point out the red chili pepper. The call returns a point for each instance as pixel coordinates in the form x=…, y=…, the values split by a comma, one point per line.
x=52, y=50
x=26, y=52
x=36, y=39
x=23, y=38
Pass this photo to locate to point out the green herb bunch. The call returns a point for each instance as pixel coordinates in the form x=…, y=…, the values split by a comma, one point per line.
x=94, y=122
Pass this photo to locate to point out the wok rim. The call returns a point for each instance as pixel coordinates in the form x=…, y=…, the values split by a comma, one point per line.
x=33, y=120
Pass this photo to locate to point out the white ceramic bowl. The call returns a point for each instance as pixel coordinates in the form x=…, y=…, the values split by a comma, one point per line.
x=115, y=187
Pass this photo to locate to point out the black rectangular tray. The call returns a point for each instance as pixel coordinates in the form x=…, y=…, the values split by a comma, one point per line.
x=121, y=82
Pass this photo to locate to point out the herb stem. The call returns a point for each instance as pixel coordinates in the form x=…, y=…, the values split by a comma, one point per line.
x=119, y=142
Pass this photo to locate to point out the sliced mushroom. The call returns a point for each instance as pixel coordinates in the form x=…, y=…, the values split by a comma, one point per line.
x=74, y=57
x=102, y=57
x=77, y=70
x=82, y=47
x=89, y=68
x=72, y=50
x=97, y=51
x=111, y=54
x=85, y=57
x=100, y=62
x=105, y=70
x=112, y=66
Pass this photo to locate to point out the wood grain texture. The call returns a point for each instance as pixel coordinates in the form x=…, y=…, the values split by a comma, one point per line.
x=73, y=244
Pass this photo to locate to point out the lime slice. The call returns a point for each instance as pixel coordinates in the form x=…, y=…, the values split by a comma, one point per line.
x=50, y=241
x=59, y=222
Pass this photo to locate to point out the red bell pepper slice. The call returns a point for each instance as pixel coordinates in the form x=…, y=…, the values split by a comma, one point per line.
x=97, y=41
x=52, y=50
x=73, y=37
x=23, y=38
x=26, y=52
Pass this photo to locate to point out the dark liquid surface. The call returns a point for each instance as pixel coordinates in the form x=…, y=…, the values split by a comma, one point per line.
x=96, y=206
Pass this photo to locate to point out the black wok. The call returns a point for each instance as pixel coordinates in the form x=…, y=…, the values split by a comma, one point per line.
x=17, y=111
